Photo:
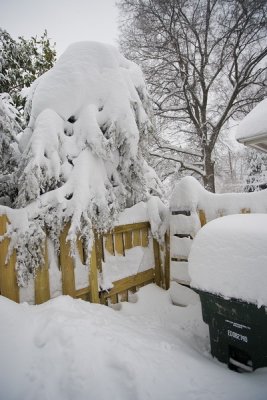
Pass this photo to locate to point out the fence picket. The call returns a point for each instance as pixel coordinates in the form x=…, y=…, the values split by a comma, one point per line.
x=8, y=278
x=128, y=240
x=144, y=237
x=119, y=248
x=66, y=263
x=136, y=238
x=42, y=288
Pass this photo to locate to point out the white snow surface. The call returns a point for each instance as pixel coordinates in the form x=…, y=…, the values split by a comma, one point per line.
x=229, y=257
x=70, y=349
x=255, y=123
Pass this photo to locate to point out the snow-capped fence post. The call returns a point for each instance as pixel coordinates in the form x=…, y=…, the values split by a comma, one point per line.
x=66, y=263
x=8, y=279
x=42, y=288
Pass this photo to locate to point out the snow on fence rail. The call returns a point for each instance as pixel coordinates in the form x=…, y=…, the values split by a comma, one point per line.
x=191, y=207
x=113, y=246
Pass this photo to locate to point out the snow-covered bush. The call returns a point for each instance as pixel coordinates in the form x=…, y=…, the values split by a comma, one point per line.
x=82, y=152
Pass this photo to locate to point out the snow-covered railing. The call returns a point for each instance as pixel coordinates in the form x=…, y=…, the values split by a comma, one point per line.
x=191, y=207
x=121, y=261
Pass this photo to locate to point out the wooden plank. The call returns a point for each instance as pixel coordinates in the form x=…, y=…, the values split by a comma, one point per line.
x=41, y=283
x=131, y=281
x=128, y=240
x=245, y=211
x=118, y=242
x=157, y=262
x=82, y=291
x=130, y=227
x=66, y=263
x=109, y=243
x=144, y=237
x=167, y=269
x=136, y=238
x=8, y=277
x=202, y=217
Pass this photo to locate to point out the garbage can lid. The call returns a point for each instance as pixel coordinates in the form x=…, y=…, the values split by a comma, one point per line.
x=229, y=257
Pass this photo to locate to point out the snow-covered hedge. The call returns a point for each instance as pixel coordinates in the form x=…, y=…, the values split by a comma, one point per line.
x=229, y=257
x=189, y=195
x=82, y=152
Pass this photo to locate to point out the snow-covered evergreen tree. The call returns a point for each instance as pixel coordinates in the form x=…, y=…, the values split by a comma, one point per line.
x=9, y=128
x=82, y=152
x=22, y=61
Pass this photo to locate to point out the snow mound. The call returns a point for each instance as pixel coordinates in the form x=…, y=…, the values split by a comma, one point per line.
x=229, y=257
x=71, y=349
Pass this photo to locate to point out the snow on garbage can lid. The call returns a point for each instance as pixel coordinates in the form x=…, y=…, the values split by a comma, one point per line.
x=228, y=257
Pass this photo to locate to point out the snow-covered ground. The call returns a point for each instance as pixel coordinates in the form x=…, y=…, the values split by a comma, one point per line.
x=148, y=349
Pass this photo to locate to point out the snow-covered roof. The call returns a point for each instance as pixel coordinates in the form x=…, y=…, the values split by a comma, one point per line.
x=229, y=257
x=252, y=130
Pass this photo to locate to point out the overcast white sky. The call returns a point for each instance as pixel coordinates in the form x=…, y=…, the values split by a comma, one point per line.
x=66, y=21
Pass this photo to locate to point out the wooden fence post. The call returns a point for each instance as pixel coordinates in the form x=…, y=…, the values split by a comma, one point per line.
x=42, y=289
x=66, y=263
x=167, y=261
x=202, y=217
x=95, y=266
x=8, y=278
x=156, y=249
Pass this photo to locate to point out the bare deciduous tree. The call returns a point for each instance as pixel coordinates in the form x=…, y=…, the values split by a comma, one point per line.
x=205, y=61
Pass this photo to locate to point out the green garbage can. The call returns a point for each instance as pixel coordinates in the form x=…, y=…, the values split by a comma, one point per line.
x=228, y=268
x=238, y=331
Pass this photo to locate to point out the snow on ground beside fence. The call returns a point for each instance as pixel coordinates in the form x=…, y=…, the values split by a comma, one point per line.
x=151, y=349
x=229, y=257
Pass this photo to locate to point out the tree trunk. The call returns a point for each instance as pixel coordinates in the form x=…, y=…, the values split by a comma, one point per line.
x=208, y=179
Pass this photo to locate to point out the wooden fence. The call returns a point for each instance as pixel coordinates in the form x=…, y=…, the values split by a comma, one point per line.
x=117, y=242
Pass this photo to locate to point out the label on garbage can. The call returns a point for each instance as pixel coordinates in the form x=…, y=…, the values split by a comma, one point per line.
x=237, y=336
